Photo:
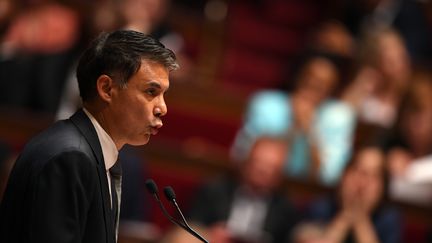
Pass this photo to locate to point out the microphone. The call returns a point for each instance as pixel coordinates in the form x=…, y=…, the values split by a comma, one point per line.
x=152, y=188
x=170, y=195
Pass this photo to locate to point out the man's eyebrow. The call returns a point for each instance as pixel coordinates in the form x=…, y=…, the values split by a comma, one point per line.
x=157, y=85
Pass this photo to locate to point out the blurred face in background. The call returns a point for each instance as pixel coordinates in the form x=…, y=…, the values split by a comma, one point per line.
x=317, y=80
x=416, y=116
x=263, y=170
x=334, y=37
x=143, y=15
x=50, y=28
x=363, y=182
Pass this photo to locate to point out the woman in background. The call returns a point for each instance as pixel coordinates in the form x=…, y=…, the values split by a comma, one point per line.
x=358, y=213
x=409, y=143
x=319, y=127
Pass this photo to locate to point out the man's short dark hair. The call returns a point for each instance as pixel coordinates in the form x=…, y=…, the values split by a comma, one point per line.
x=119, y=55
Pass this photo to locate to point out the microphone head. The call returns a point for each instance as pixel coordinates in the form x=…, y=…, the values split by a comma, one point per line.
x=151, y=186
x=169, y=193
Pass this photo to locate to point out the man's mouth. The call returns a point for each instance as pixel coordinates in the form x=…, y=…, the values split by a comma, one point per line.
x=154, y=130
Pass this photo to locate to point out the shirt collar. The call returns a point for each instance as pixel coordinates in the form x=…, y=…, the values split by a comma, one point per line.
x=109, y=149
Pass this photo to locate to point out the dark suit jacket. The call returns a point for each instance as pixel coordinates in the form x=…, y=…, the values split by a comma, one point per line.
x=214, y=200
x=58, y=190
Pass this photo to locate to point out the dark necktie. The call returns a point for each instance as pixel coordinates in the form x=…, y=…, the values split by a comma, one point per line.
x=116, y=173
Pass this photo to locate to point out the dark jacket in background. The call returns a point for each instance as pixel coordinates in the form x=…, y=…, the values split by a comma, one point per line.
x=213, y=204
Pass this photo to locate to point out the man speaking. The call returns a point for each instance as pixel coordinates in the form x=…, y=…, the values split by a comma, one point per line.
x=66, y=184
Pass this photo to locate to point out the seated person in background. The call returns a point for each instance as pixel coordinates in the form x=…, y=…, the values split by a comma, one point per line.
x=320, y=128
x=36, y=50
x=380, y=82
x=358, y=213
x=409, y=145
x=248, y=207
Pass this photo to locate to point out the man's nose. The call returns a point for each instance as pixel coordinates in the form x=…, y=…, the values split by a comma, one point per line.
x=160, y=109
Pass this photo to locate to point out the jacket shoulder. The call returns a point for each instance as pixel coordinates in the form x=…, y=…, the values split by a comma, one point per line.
x=61, y=137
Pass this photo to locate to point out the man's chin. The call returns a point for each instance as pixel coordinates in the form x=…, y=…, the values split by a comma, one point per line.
x=140, y=142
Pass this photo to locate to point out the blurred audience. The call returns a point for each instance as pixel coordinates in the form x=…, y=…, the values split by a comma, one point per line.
x=310, y=232
x=382, y=77
x=149, y=16
x=36, y=51
x=409, y=143
x=358, y=212
x=45, y=28
x=320, y=127
x=333, y=37
x=8, y=9
x=408, y=17
x=248, y=207
x=144, y=15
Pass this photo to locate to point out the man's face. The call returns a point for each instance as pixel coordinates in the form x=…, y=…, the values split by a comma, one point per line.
x=263, y=170
x=136, y=111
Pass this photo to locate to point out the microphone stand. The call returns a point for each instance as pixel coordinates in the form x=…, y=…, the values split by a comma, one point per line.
x=170, y=195
x=152, y=188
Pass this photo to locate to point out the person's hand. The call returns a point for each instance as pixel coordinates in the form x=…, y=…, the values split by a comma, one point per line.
x=219, y=233
x=398, y=160
x=367, y=79
x=349, y=197
x=358, y=197
x=362, y=200
x=361, y=87
x=304, y=113
x=351, y=211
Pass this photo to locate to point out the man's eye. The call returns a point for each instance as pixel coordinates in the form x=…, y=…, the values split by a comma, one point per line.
x=151, y=92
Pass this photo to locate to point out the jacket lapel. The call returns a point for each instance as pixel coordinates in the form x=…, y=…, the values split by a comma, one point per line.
x=83, y=123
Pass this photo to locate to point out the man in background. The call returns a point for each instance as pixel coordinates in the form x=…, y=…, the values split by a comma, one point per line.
x=247, y=207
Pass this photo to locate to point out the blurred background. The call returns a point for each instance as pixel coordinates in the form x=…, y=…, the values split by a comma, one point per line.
x=330, y=76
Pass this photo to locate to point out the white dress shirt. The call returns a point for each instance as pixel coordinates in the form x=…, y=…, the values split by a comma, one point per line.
x=109, y=149
x=247, y=215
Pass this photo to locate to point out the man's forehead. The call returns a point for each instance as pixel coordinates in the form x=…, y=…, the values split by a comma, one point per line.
x=154, y=74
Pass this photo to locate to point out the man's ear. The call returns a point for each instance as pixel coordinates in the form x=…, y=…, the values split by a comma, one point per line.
x=104, y=87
